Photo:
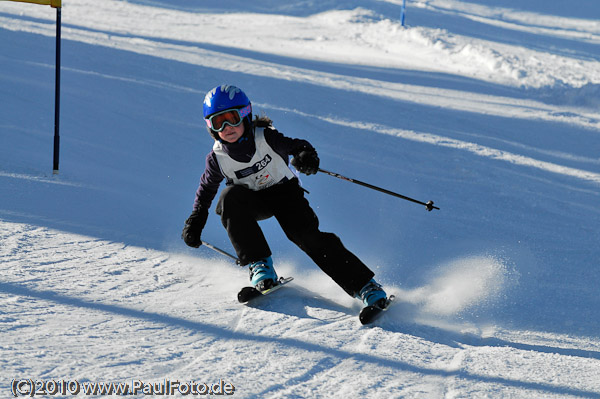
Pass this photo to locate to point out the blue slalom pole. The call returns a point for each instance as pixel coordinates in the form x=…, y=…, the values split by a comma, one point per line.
x=403, y=12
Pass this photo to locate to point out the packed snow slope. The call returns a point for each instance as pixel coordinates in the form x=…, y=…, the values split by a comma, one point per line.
x=489, y=108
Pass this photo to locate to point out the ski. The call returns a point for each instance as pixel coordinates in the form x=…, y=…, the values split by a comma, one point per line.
x=371, y=313
x=247, y=294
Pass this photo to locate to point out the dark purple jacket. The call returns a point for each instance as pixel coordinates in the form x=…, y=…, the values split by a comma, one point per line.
x=242, y=151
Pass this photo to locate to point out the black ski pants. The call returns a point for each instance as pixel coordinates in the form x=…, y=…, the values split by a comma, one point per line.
x=241, y=209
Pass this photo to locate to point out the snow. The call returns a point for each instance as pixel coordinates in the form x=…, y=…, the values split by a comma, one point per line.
x=489, y=108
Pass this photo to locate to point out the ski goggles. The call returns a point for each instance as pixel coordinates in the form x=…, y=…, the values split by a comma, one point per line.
x=232, y=117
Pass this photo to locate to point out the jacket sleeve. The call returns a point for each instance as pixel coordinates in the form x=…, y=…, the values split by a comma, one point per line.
x=283, y=145
x=209, y=183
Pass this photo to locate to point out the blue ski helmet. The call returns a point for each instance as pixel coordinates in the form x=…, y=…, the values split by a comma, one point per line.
x=224, y=97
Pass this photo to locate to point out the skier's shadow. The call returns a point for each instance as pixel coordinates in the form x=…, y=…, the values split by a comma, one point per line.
x=294, y=300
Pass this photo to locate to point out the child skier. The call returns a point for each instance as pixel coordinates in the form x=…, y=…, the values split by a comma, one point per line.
x=253, y=158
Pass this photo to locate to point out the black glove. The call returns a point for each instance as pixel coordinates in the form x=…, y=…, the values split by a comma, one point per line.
x=306, y=161
x=193, y=228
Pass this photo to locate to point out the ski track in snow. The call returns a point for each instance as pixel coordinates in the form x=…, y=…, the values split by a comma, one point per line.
x=445, y=98
x=558, y=26
x=449, y=99
x=463, y=145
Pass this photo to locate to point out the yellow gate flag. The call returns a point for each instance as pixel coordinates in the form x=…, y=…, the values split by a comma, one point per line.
x=53, y=3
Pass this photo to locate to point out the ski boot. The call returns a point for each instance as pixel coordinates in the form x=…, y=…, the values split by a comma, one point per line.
x=262, y=274
x=373, y=295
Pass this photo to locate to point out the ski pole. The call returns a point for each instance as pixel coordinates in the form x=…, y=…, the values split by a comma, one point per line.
x=428, y=205
x=222, y=252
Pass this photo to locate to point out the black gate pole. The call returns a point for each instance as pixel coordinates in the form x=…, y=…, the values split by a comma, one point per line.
x=57, y=94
